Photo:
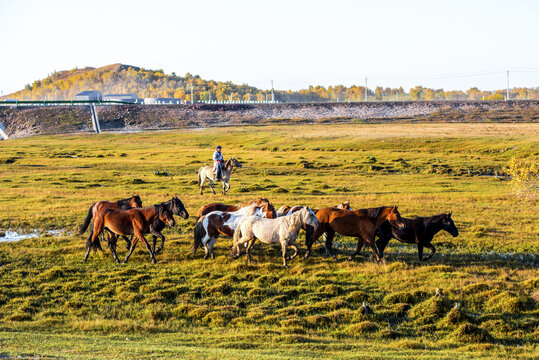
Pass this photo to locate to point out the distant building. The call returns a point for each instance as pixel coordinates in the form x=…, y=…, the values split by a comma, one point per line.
x=132, y=98
x=89, y=95
x=162, y=101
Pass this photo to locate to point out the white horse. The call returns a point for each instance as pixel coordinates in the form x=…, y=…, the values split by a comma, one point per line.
x=206, y=172
x=210, y=226
x=283, y=230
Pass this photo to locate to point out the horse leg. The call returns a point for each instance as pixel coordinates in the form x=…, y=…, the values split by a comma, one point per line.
x=162, y=243
x=133, y=245
x=294, y=246
x=112, y=245
x=140, y=235
x=330, y=234
x=420, y=251
x=375, y=249
x=360, y=242
x=224, y=188
x=381, y=244
x=211, y=187
x=432, y=251
x=154, y=242
x=127, y=241
x=94, y=235
x=248, y=250
x=284, y=248
x=202, y=183
x=309, y=242
x=210, y=247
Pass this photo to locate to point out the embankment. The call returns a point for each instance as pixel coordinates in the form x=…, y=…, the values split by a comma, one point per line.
x=26, y=121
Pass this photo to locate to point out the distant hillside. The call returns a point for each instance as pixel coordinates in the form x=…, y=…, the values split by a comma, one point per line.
x=119, y=78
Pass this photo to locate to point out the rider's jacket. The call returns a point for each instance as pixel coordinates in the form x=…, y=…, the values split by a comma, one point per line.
x=217, y=156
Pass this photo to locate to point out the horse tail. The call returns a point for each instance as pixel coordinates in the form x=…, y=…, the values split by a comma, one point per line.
x=199, y=177
x=199, y=234
x=87, y=220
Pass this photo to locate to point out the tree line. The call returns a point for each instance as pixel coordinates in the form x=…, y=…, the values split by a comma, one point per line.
x=117, y=79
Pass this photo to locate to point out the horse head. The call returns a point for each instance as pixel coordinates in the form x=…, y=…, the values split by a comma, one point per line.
x=309, y=217
x=345, y=205
x=135, y=201
x=448, y=225
x=394, y=217
x=178, y=208
x=165, y=215
x=234, y=162
x=268, y=210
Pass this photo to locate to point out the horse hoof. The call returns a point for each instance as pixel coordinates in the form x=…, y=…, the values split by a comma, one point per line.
x=154, y=261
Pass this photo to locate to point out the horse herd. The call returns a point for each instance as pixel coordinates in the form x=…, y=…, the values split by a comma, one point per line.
x=258, y=220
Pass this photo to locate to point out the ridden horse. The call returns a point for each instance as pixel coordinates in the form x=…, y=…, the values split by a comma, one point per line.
x=206, y=172
x=206, y=209
x=133, y=202
x=419, y=230
x=283, y=230
x=135, y=221
x=360, y=223
x=210, y=226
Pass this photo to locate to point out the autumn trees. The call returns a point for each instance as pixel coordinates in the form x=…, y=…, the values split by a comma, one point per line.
x=120, y=78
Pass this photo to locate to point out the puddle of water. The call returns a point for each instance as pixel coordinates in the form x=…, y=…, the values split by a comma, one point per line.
x=9, y=236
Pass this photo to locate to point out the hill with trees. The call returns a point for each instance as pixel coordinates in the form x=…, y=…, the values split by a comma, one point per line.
x=119, y=78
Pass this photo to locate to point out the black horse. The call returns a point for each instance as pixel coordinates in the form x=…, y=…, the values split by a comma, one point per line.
x=419, y=230
x=175, y=205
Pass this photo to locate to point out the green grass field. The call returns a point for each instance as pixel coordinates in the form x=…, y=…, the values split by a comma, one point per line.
x=54, y=306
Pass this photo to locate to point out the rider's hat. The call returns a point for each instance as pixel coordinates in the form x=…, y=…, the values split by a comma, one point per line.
x=218, y=146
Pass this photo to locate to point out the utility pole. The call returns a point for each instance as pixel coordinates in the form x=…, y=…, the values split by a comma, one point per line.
x=209, y=95
x=192, y=98
x=366, y=88
x=272, y=94
x=508, y=96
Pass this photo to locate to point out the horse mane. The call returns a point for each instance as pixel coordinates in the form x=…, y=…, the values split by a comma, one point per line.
x=373, y=213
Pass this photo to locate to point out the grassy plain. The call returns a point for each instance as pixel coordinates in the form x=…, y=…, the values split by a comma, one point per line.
x=53, y=305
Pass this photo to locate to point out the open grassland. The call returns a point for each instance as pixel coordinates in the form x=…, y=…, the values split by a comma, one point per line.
x=53, y=305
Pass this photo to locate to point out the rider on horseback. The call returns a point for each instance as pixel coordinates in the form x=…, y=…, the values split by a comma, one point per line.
x=218, y=163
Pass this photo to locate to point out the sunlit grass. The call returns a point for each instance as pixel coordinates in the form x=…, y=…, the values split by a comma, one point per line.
x=187, y=307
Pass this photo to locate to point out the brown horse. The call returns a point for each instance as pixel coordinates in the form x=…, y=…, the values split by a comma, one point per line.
x=132, y=202
x=134, y=221
x=206, y=209
x=360, y=223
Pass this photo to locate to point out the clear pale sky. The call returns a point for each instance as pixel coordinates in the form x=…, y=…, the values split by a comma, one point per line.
x=297, y=43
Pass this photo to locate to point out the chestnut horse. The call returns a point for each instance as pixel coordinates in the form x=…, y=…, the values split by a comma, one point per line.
x=206, y=209
x=360, y=223
x=135, y=221
x=176, y=206
x=210, y=226
x=132, y=202
x=420, y=231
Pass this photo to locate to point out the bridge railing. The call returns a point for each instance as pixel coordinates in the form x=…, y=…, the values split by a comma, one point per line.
x=62, y=102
